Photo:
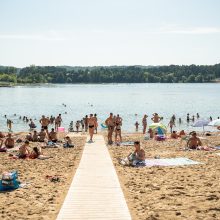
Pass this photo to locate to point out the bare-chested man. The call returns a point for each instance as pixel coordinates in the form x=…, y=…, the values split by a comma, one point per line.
x=9, y=141
x=110, y=124
x=144, y=123
x=155, y=118
x=44, y=123
x=91, y=124
x=194, y=142
x=42, y=135
x=53, y=136
x=96, y=124
x=59, y=120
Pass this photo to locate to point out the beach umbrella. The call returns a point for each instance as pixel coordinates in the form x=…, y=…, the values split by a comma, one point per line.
x=156, y=126
x=215, y=123
x=201, y=123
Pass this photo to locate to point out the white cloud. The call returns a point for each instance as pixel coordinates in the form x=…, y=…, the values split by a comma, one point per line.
x=189, y=30
x=50, y=36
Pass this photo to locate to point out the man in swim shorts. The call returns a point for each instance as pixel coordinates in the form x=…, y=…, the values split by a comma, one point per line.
x=44, y=123
x=110, y=124
x=155, y=118
x=194, y=142
x=91, y=124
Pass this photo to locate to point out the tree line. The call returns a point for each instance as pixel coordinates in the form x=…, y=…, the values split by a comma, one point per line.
x=112, y=74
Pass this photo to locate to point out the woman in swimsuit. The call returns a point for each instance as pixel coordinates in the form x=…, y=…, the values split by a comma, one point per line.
x=144, y=123
x=91, y=123
x=118, y=132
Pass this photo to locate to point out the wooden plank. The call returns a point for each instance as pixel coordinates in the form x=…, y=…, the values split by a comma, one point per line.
x=95, y=192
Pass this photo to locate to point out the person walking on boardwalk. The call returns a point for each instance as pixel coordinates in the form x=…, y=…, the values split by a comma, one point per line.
x=91, y=123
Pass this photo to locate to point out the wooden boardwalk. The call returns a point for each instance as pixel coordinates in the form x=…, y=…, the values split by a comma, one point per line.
x=95, y=192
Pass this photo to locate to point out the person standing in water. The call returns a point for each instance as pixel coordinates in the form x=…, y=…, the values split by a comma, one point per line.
x=96, y=124
x=144, y=123
x=110, y=124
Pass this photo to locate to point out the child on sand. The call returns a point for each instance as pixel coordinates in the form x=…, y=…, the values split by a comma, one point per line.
x=136, y=125
x=68, y=142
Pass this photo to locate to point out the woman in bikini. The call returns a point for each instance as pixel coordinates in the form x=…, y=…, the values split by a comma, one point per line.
x=118, y=131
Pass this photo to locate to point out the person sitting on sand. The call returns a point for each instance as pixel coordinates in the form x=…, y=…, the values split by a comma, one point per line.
x=138, y=156
x=35, y=136
x=1, y=135
x=156, y=118
x=36, y=152
x=42, y=135
x=29, y=137
x=174, y=135
x=68, y=142
x=182, y=133
x=9, y=142
x=53, y=136
x=23, y=150
x=194, y=142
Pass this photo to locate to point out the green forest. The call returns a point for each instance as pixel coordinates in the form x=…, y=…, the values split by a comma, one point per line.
x=111, y=74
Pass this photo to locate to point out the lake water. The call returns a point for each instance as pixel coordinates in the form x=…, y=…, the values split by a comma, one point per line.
x=125, y=99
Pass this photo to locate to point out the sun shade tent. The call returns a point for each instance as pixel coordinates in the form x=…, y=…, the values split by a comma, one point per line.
x=159, y=127
x=201, y=123
x=215, y=123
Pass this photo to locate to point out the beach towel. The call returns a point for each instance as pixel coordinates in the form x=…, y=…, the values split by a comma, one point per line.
x=127, y=143
x=180, y=161
x=217, y=147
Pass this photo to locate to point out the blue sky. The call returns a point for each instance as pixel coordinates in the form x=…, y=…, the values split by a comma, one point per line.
x=113, y=32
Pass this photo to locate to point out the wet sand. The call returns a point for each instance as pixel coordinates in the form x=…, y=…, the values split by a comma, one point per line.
x=40, y=198
x=181, y=192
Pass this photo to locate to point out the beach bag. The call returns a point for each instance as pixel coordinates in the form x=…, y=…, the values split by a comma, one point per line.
x=9, y=181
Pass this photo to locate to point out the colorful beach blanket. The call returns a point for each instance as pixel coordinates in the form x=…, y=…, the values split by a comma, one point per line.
x=180, y=161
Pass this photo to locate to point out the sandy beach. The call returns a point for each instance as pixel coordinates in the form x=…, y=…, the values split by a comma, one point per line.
x=181, y=192
x=40, y=198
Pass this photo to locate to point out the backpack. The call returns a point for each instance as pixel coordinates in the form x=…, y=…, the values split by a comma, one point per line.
x=9, y=181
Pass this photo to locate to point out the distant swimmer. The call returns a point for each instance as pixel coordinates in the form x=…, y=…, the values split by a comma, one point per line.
x=187, y=118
